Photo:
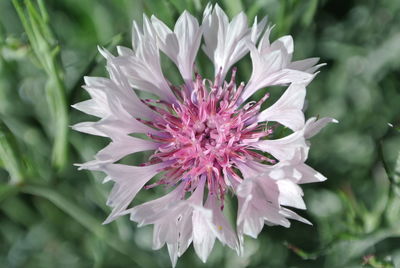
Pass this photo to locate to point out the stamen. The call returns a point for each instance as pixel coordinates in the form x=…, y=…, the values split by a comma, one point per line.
x=205, y=134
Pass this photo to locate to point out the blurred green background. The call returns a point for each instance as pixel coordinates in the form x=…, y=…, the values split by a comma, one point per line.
x=51, y=214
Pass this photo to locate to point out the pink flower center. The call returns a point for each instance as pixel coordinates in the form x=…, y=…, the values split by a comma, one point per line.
x=205, y=134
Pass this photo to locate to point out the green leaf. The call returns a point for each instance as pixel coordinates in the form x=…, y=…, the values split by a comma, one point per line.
x=396, y=175
x=18, y=211
x=233, y=7
x=10, y=155
x=47, y=53
x=6, y=191
x=2, y=35
x=345, y=251
x=86, y=220
x=393, y=211
x=165, y=11
x=181, y=5
x=310, y=12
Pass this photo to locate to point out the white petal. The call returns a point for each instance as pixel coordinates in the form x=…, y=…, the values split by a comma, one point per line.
x=90, y=107
x=258, y=202
x=264, y=42
x=148, y=30
x=290, y=194
x=249, y=222
x=173, y=253
x=257, y=28
x=144, y=72
x=224, y=231
x=197, y=197
x=143, y=68
x=313, y=126
x=117, y=149
x=225, y=42
x=112, y=127
x=308, y=65
x=182, y=44
x=127, y=96
x=285, y=148
x=188, y=34
x=106, y=91
x=123, y=146
x=87, y=127
x=269, y=71
x=204, y=232
x=288, y=109
x=185, y=227
x=287, y=42
x=167, y=39
x=292, y=215
x=272, y=65
x=308, y=174
x=128, y=181
x=152, y=211
x=251, y=169
x=186, y=223
x=168, y=225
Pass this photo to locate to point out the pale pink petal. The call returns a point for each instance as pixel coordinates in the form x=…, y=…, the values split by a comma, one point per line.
x=270, y=69
x=123, y=146
x=150, y=212
x=314, y=125
x=142, y=67
x=288, y=109
x=182, y=44
x=308, y=174
x=188, y=33
x=308, y=65
x=127, y=96
x=225, y=42
x=290, y=194
x=185, y=227
x=251, y=168
x=128, y=181
x=144, y=73
x=249, y=221
x=167, y=231
x=294, y=169
x=173, y=253
x=90, y=107
x=178, y=222
x=113, y=127
x=204, y=232
x=224, y=231
x=284, y=148
x=260, y=200
x=167, y=39
x=88, y=127
x=264, y=43
x=258, y=203
x=287, y=42
x=117, y=149
x=272, y=65
x=292, y=215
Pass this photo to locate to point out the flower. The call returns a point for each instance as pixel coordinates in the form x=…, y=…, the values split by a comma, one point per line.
x=207, y=138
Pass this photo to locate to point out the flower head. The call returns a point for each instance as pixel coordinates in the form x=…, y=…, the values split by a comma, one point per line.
x=207, y=138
